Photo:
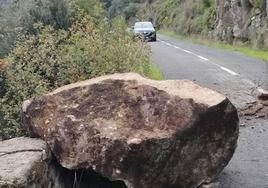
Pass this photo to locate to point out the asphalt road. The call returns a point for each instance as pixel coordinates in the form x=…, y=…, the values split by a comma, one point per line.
x=236, y=76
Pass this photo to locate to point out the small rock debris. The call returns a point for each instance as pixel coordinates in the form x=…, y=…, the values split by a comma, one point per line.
x=255, y=110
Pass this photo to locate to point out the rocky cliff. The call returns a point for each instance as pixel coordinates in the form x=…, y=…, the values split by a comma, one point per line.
x=232, y=21
x=242, y=20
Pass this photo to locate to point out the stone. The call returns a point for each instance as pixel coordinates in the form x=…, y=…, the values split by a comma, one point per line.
x=211, y=185
x=262, y=94
x=237, y=31
x=266, y=7
x=248, y=20
x=28, y=163
x=25, y=164
x=145, y=133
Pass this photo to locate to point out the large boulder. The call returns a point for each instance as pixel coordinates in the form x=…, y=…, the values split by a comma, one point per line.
x=28, y=163
x=146, y=133
x=25, y=163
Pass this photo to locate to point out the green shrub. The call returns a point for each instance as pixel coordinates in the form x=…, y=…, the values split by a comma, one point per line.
x=53, y=58
x=17, y=19
x=257, y=3
x=93, y=8
x=207, y=3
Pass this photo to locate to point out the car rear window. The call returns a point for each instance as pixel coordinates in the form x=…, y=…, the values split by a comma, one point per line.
x=143, y=25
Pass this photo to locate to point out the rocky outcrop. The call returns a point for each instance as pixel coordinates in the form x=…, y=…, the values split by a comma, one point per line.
x=242, y=20
x=146, y=133
x=25, y=163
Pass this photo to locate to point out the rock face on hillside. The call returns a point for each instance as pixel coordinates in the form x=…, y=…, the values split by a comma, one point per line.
x=146, y=133
x=242, y=20
x=25, y=163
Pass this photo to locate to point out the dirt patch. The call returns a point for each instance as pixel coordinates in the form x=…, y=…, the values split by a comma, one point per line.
x=257, y=109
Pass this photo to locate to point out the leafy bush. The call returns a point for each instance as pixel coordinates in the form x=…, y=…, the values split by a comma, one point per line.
x=17, y=19
x=257, y=3
x=53, y=58
x=93, y=8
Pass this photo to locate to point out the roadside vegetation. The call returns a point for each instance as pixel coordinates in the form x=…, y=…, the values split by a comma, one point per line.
x=54, y=50
x=195, y=21
x=184, y=17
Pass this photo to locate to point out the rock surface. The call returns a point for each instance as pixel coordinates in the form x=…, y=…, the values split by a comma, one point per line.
x=25, y=164
x=262, y=94
x=242, y=20
x=211, y=185
x=146, y=133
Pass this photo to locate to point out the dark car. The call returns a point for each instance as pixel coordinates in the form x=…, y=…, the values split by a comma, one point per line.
x=145, y=31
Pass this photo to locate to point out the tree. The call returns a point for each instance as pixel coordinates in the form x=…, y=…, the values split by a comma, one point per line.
x=17, y=19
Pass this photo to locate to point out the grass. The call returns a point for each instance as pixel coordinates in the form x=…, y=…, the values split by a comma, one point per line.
x=155, y=73
x=260, y=54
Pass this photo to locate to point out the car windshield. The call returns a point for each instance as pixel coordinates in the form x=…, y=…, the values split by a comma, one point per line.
x=143, y=25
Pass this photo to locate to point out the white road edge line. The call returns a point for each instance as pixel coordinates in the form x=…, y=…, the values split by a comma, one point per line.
x=169, y=44
x=229, y=71
x=188, y=52
x=201, y=57
x=177, y=47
